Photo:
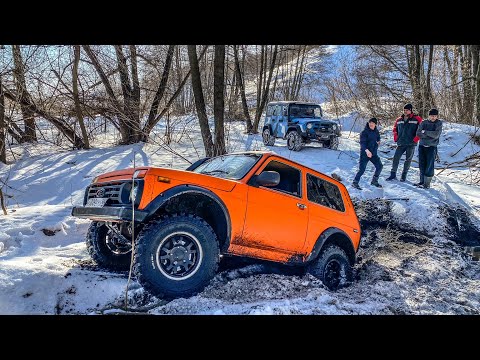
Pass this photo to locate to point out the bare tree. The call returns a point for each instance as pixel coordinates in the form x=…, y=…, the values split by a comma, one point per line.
x=152, y=116
x=267, y=65
x=76, y=98
x=200, y=101
x=219, y=99
x=241, y=82
x=29, y=134
x=3, y=156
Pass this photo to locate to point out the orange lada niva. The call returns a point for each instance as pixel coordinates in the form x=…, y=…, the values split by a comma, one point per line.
x=256, y=204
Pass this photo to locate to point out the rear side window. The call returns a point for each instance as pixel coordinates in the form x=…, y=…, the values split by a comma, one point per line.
x=324, y=193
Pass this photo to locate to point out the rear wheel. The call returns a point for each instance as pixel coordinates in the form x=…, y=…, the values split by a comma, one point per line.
x=294, y=141
x=107, y=248
x=268, y=138
x=176, y=256
x=332, y=267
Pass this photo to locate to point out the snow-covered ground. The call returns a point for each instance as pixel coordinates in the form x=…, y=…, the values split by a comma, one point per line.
x=409, y=262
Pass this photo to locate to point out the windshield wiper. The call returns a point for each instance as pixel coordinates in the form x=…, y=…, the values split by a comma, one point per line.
x=214, y=171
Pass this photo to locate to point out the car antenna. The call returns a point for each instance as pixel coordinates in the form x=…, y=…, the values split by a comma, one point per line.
x=132, y=198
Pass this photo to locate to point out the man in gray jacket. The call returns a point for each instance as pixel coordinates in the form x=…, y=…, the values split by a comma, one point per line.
x=429, y=134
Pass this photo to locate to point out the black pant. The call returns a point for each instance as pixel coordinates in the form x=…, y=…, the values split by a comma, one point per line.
x=364, y=159
x=410, y=149
x=426, y=160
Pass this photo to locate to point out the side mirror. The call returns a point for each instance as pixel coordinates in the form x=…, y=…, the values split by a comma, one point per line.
x=268, y=178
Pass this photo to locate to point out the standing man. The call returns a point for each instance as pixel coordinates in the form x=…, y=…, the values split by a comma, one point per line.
x=369, y=141
x=429, y=134
x=404, y=134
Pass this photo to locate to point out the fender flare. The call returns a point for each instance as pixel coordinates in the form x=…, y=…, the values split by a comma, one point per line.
x=164, y=197
x=324, y=236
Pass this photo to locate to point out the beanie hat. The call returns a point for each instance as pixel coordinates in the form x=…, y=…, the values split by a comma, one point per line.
x=433, y=111
x=409, y=107
x=374, y=120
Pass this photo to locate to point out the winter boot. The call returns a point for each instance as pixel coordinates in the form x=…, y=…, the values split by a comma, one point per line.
x=421, y=182
x=393, y=176
x=403, y=177
x=356, y=186
x=375, y=182
x=427, y=180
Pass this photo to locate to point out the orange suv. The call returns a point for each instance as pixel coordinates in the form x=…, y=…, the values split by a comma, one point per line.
x=255, y=204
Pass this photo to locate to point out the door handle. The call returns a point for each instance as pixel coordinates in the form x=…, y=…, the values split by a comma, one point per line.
x=301, y=206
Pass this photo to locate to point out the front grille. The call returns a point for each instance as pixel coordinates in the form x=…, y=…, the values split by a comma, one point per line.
x=319, y=128
x=112, y=191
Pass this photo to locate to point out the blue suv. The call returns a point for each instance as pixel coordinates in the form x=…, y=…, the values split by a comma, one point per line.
x=299, y=123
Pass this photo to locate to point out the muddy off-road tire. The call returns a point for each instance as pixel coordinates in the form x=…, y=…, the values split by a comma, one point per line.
x=294, y=141
x=332, y=267
x=176, y=256
x=103, y=250
x=268, y=138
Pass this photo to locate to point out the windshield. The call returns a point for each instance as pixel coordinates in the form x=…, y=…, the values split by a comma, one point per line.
x=234, y=166
x=305, y=111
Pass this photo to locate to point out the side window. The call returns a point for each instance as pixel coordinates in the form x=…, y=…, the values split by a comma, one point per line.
x=269, y=110
x=324, y=193
x=276, y=111
x=289, y=178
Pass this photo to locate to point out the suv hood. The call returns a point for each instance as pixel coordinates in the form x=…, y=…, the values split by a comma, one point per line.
x=181, y=176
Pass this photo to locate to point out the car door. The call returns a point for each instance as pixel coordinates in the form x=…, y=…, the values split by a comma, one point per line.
x=282, y=122
x=277, y=217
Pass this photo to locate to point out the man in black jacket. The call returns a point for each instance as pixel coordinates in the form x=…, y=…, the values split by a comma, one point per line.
x=404, y=134
x=369, y=141
x=429, y=134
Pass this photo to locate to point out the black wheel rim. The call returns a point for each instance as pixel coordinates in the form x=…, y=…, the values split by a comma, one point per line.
x=333, y=271
x=115, y=246
x=179, y=256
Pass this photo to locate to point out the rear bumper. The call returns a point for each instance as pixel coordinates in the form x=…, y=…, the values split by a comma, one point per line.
x=108, y=213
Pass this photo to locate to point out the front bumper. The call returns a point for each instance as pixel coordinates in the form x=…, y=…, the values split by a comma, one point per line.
x=109, y=213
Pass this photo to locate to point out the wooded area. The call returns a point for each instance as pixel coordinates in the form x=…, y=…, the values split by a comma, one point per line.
x=78, y=89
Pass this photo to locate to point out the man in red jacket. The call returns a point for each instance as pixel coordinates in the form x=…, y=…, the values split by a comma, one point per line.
x=405, y=135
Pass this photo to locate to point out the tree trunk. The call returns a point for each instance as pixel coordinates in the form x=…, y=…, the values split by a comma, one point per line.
x=3, y=127
x=199, y=100
x=219, y=99
x=29, y=134
x=2, y=202
x=76, y=98
x=466, y=68
x=475, y=49
x=428, y=91
x=131, y=122
x=151, y=122
x=241, y=83
x=260, y=108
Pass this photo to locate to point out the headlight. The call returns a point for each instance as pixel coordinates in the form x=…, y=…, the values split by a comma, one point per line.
x=133, y=192
x=309, y=125
x=334, y=126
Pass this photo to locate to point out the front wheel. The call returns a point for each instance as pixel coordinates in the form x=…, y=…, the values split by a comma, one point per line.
x=294, y=141
x=332, y=268
x=107, y=248
x=268, y=138
x=176, y=256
